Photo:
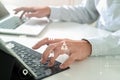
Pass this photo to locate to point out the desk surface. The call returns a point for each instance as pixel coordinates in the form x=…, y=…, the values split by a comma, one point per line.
x=93, y=68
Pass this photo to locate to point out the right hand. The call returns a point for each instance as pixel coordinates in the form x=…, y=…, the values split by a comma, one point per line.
x=77, y=50
x=33, y=11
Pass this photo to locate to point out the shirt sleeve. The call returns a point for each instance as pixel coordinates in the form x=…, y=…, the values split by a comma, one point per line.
x=83, y=13
x=107, y=45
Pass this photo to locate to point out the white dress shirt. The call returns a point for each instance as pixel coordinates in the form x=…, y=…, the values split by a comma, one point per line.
x=107, y=15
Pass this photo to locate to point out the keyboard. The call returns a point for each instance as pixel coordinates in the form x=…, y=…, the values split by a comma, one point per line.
x=11, y=23
x=31, y=60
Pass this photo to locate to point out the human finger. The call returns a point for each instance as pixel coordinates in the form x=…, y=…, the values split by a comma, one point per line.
x=53, y=58
x=17, y=10
x=40, y=43
x=53, y=40
x=33, y=14
x=47, y=52
x=45, y=41
x=27, y=9
x=21, y=16
x=68, y=62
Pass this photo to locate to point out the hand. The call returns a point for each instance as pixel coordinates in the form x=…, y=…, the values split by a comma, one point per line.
x=76, y=50
x=33, y=11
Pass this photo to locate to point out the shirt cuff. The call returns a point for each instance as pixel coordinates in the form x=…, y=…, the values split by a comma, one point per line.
x=96, y=46
x=55, y=13
x=104, y=46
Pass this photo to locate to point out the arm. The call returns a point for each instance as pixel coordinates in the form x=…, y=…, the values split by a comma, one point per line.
x=80, y=49
x=85, y=13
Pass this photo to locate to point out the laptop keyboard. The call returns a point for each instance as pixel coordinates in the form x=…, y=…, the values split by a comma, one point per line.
x=11, y=23
x=32, y=59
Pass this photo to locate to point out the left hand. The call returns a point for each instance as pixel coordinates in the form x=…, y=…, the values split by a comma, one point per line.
x=76, y=50
x=39, y=12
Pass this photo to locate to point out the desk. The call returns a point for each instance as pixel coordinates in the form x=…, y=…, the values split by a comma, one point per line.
x=93, y=68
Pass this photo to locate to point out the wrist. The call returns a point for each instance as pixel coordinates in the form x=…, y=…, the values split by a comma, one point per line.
x=88, y=46
x=48, y=11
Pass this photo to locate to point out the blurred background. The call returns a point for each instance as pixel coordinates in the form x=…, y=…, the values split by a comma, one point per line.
x=40, y=2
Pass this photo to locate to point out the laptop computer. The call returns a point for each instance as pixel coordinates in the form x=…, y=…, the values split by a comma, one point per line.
x=11, y=24
x=19, y=62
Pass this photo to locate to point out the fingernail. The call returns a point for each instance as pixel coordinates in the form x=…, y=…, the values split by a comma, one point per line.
x=50, y=64
x=33, y=47
x=51, y=61
x=62, y=66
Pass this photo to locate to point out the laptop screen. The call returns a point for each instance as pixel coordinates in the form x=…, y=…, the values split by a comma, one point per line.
x=3, y=11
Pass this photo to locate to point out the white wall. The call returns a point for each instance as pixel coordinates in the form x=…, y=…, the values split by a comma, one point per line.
x=40, y=2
